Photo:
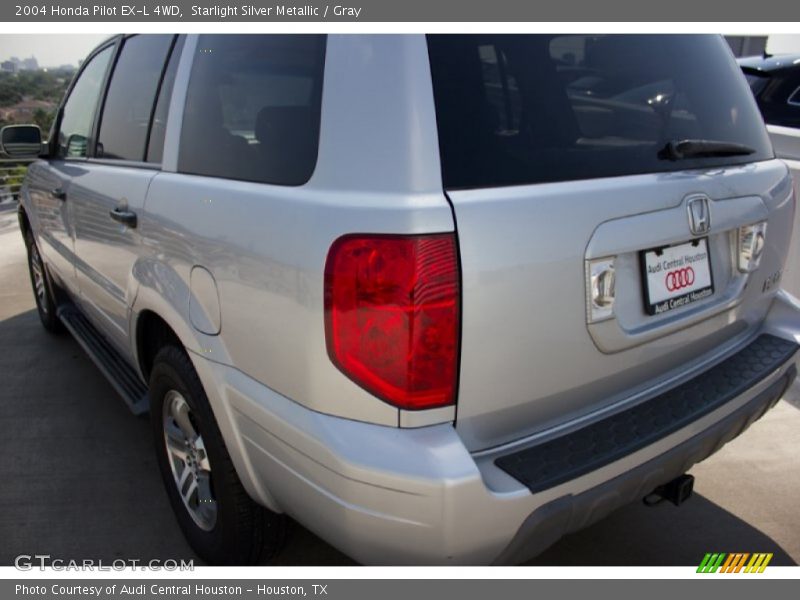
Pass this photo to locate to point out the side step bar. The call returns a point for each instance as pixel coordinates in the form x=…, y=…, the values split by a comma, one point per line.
x=118, y=372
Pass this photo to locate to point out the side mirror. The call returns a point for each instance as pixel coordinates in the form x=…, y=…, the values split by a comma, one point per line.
x=20, y=141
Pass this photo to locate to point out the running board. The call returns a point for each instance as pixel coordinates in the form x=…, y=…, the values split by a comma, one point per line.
x=118, y=372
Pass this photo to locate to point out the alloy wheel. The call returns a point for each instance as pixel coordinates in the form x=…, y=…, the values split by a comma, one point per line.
x=188, y=459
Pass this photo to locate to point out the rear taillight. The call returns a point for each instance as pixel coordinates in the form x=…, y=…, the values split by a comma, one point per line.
x=601, y=286
x=392, y=316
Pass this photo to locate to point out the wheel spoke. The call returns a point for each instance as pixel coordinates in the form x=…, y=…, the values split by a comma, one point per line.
x=202, y=455
x=176, y=443
x=180, y=412
x=188, y=458
x=190, y=488
x=183, y=477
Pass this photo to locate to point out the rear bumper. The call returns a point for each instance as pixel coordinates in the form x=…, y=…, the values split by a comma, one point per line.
x=584, y=449
x=416, y=496
x=571, y=513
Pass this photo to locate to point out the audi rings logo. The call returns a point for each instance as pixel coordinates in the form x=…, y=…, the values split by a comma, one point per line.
x=679, y=279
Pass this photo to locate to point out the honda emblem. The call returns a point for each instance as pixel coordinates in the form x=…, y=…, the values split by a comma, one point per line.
x=699, y=215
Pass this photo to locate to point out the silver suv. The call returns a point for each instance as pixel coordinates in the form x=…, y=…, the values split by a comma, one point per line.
x=441, y=299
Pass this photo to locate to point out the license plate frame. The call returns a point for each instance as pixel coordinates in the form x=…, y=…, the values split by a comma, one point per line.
x=679, y=268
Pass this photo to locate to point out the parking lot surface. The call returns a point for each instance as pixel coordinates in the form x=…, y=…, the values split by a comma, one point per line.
x=78, y=477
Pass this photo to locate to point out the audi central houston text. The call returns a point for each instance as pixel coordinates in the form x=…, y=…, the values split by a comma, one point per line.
x=441, y=299
x=154, y=589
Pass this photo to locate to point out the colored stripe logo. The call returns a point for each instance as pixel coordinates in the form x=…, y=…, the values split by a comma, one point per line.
x=736, y=562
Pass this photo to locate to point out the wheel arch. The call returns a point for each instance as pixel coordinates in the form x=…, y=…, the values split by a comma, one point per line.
x=152, y=334
x=156, y=320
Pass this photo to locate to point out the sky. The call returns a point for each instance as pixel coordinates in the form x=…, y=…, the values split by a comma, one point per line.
x=52, y=50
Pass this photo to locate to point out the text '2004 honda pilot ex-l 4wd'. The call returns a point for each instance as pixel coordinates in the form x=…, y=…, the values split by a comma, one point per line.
x=440, y=299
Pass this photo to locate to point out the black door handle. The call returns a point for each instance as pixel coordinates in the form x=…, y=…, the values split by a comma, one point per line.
x=58, y=193
x=126, y=217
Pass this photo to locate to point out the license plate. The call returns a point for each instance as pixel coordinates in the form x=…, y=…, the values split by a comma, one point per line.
x=675, y=276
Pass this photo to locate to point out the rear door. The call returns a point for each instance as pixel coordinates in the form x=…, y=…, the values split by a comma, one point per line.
x=108, y=197
x=598, y=259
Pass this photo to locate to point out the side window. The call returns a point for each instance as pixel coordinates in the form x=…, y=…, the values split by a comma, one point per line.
x=158, y=129
x=131, y=95
x=253, y=107
x=78, y=114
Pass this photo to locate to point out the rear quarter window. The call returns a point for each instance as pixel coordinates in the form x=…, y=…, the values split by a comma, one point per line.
x=253, y=108
x=524, y=109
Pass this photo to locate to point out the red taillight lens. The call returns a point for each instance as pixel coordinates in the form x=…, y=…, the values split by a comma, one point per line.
x=392, y=316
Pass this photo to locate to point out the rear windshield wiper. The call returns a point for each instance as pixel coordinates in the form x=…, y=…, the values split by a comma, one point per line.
x=679, y=150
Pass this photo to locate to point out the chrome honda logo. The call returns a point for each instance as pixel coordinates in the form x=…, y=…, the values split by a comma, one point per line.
x=699, y=215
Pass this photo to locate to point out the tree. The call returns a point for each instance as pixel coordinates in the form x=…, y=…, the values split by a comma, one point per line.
x=9, y=92
x=44, y=119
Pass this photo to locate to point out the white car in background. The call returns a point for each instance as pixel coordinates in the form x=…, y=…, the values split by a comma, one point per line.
x=775, y=81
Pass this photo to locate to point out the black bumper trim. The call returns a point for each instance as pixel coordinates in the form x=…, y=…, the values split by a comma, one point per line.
x=548, y=523
x=569, y=456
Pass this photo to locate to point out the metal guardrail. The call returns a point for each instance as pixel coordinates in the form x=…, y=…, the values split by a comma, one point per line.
x=12, y=172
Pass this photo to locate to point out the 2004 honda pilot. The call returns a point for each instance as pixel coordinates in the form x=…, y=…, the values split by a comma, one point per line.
x=441, y=299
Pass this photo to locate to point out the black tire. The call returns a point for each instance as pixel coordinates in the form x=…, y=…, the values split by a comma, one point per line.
x=243, y=532
x=44, y=297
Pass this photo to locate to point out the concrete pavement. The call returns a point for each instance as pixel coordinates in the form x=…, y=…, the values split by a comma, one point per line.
x=78, y=478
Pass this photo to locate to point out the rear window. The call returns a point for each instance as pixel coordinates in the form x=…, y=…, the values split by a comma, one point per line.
x=524, y=109
x=253, y=108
